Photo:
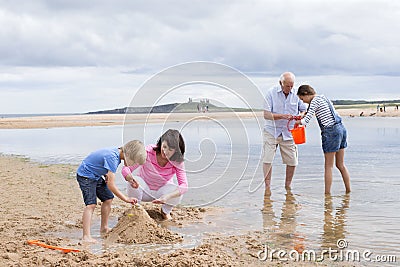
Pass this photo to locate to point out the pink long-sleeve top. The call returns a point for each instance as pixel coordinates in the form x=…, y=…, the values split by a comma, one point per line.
x=156, y=176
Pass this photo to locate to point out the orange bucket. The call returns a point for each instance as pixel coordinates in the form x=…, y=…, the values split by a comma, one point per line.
x=299, y=134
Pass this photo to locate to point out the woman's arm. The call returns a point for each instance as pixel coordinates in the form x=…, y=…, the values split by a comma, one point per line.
x=181, y=177
x=182, y=185
x=129, y=169
x=164, y=199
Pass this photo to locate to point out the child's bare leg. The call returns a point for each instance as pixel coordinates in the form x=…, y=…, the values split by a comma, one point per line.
x=105, y=214
x=329, y=160
x=343, y=169
x=267, y=169
x=86, y=222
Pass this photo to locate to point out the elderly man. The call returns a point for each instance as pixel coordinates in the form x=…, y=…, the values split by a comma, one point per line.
x=280, y=104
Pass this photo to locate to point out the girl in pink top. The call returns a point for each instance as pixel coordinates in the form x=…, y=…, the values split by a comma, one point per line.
x=154, y=178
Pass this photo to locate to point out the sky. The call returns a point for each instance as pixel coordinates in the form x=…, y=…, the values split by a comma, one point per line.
x=73, y=56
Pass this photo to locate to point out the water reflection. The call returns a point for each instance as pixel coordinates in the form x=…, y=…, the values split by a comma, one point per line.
x=334, y=221
x=282, y=232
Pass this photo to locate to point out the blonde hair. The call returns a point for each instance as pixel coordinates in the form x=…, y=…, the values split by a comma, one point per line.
x=134, y=151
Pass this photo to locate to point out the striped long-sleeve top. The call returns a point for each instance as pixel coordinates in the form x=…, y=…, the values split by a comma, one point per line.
x=319, y=107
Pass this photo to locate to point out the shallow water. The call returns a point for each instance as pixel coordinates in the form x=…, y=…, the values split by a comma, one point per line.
x=223, y=168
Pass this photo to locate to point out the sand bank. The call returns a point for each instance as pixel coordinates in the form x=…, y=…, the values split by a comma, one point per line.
x=368, y=112
x=114, y=119
x=41, y=201
x=121, y=119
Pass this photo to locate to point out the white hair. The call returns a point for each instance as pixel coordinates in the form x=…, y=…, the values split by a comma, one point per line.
x=283, y=75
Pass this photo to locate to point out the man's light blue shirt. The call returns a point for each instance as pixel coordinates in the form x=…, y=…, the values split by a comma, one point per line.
x=275, y=101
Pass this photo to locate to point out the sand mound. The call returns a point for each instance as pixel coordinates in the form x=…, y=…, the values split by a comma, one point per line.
x=180, y=215
x=136, y=226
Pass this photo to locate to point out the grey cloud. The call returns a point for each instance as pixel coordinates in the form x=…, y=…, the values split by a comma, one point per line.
x=307, y=37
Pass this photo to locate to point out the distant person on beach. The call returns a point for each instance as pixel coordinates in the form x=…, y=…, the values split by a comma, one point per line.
x=280, y=105
x=333, y=132
x=96, y=178
x=153, y=182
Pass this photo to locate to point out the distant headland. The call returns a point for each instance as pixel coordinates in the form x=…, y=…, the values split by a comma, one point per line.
x=188, y=107
x=206, y=106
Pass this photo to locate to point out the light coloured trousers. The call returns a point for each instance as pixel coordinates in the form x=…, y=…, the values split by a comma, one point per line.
x=144, y=193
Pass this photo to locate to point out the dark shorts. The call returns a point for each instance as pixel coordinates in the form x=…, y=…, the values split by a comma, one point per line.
x=91, y=189
x=334, y=138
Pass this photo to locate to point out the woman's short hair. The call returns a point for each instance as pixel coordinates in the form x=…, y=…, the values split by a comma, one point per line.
x=175, y=141
x=135, y=152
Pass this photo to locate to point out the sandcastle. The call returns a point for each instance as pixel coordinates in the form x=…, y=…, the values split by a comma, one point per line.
x=135, y=226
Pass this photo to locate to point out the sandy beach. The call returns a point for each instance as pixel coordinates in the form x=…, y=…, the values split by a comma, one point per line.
x=120, y=119
x=43, y=202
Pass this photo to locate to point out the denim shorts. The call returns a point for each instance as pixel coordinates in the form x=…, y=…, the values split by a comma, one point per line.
x=93, y=188
x=334, y=138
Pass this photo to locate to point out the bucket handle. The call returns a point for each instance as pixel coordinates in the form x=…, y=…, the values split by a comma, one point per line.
x=293, y=118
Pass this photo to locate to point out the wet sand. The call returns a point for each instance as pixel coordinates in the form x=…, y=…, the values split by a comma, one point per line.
x=43, y=202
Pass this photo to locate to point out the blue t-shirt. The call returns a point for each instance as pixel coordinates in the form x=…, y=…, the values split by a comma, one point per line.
x=99, y=162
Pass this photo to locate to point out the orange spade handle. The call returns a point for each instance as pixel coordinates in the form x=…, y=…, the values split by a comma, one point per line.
x=41, y=244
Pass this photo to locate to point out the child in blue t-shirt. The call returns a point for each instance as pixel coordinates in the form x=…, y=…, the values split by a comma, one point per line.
x=101, y=164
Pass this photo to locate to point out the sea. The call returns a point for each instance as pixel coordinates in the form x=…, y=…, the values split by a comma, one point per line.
x=224, y=169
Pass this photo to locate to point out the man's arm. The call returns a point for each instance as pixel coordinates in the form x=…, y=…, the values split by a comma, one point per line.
x=275, y=116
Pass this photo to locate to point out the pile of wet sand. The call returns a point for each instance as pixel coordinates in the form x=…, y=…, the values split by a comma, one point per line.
x=135, y=226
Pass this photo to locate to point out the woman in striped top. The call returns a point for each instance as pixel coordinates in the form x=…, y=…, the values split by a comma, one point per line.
x=333, y=133
x=154, y=178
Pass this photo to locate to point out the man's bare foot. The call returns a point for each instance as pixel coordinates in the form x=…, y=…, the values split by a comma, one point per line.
x=88, y=239
x=165, y=216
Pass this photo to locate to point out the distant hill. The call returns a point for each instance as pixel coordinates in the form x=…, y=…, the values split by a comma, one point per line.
x=190, y=107
x=359, y=102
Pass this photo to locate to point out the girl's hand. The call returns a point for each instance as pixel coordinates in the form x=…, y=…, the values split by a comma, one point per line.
x=297, y=122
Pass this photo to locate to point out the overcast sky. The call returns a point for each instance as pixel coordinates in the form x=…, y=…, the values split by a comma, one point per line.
x=79, y=56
